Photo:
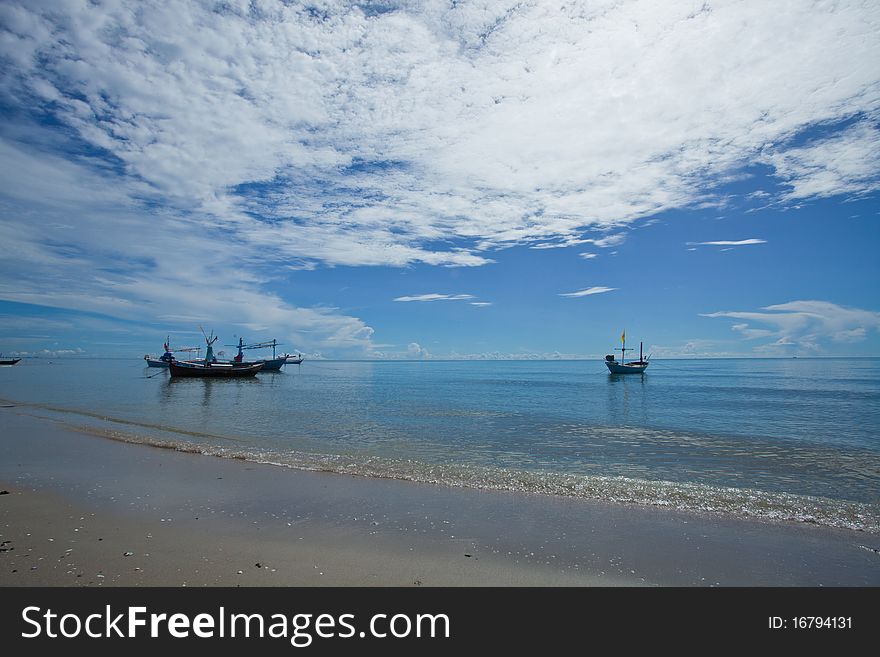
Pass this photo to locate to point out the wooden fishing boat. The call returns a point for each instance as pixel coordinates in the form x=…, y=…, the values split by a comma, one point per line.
x=622, y=367
x=9, y=361
x=210, y=366
x=213, y=370
x=273, y=364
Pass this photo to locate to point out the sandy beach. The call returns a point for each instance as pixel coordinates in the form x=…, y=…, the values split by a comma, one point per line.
x=85, y=510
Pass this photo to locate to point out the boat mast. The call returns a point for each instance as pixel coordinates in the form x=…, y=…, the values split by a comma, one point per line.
x=641, y=359
x=623, y=349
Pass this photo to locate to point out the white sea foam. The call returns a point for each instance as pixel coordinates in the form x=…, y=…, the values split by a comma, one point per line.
x=695, y=497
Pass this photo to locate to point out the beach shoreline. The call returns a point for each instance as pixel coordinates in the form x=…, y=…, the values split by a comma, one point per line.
x=82, y=510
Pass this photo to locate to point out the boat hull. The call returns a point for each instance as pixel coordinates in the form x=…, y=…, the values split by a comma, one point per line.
x=215, y=371
x=9, y=361
x=155, y=362
x=269, y=365
x=626, y=368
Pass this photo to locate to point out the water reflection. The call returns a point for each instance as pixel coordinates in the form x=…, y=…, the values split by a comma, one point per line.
x=200, y=391
x=627, y=398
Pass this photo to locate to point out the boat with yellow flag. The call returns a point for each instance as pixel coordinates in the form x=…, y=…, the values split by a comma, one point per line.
x=622, y=367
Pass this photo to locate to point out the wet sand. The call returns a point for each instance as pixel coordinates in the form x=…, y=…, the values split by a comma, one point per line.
x=84, y=510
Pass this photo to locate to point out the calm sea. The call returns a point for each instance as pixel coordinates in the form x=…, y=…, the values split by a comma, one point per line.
x=795, y=439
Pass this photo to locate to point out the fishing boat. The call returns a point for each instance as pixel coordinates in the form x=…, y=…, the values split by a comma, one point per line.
x=210, y=366
x=164, y=359
x=622, y=367
x=273, y=364
x=168, y=356
x=9, y=361
x=294, y=360
x=213, y=370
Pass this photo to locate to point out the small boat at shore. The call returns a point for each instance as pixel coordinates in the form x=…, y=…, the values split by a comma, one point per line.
x=622, y=367
x=9, y=361
x=294, y=360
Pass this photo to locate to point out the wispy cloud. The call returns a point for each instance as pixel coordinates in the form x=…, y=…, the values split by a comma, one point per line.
x=601, y=242
x=588, y=256
x=436, y=297
x=49, y=353
x=806, y=324
x=729, y=242
x=481, y=304
x=588, y=291
x=750, y=333
x=560, y=245
x=609, y=241
x=697, y=348
x=844, y=163
x=124, y=264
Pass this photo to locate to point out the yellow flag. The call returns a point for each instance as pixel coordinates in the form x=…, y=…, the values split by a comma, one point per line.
x=623, y=337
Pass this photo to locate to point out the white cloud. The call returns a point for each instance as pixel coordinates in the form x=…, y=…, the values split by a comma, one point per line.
x=558, y=245
x=850, y=335
x=804, y=323
x=588, y=291
x=611, y=240
x=588, y=256
x=752, y=333
x=846, y=163
x=696, y=348
x=730, y=242
x=436, y=297
x=521, y=355
x=415, y=350
x=481, y=304
x=147, y=144
x=50, y=353
x=370, y=137
x=124, y=264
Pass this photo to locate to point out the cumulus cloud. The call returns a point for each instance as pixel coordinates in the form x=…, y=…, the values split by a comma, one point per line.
x=415, y=350
x=588, y=291
x=804, y=323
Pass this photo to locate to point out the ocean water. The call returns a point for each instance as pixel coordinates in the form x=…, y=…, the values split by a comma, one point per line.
x=779, y=439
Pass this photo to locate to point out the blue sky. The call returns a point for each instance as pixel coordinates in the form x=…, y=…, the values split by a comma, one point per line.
x=440, y=180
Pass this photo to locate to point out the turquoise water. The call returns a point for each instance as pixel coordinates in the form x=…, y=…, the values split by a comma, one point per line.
x=795, y=439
